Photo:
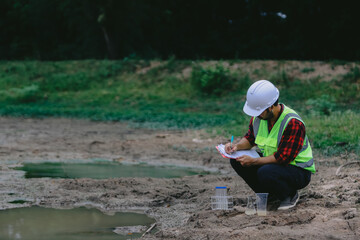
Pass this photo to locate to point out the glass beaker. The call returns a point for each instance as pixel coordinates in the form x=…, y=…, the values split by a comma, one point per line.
x=250, y=207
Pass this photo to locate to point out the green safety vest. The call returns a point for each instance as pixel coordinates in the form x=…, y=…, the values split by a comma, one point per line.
x=269, y=142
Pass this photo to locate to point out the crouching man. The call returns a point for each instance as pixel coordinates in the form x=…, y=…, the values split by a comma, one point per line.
x=287, y=162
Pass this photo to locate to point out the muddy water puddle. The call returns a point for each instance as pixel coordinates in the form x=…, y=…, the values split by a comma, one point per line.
x=71, y=224
x=103, y=170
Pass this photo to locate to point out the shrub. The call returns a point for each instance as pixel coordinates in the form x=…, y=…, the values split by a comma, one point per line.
x=353, y=75
x=243, y=82
x=281, y=78
x=211, y=81
x=26, y=94
x=322, y=105
x=347, y=87
x=308, y=69
x=337, y=62
x=66, y=82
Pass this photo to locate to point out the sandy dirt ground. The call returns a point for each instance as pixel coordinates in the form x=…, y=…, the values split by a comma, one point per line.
x=328, y=207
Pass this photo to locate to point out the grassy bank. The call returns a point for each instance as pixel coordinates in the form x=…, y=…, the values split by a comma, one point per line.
x=183, y=94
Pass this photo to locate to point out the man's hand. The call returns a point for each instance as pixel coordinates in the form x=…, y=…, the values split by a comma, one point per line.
x=246, y=160
x=229, y=149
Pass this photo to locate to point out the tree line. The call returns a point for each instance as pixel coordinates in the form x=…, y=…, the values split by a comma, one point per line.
x=196, y=29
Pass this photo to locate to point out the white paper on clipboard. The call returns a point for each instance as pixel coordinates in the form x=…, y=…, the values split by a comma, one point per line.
x=234, y=155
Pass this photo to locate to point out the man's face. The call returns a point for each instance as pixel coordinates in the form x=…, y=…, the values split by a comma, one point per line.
x=267, y=114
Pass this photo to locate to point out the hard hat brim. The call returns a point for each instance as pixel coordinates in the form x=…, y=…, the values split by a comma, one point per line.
x=252, y=112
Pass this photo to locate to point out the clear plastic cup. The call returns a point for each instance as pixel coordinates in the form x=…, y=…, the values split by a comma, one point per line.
x=261, y=203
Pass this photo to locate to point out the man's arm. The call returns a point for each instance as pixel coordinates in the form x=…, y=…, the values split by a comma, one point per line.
x=247, y=161
x=244, y=144
x=247, y=142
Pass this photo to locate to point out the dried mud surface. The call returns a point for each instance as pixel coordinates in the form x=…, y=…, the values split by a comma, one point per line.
x=328, y=207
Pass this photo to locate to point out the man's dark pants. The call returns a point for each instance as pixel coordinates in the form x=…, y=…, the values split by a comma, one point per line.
x=279, y=181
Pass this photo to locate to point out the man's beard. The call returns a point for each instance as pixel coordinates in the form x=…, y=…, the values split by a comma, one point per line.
x=268, y=116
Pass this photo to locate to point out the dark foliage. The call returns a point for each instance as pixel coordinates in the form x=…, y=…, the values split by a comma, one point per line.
x=198, y=29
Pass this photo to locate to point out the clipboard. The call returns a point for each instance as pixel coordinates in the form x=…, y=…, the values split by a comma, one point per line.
x=234, y=155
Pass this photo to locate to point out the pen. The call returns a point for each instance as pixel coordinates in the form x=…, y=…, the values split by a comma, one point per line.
x=232, y=139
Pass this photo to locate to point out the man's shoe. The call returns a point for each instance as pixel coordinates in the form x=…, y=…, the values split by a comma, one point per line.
x=289, y=202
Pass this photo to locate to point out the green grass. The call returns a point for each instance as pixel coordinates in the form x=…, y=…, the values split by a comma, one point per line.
x=166, y=97
x=308, y=70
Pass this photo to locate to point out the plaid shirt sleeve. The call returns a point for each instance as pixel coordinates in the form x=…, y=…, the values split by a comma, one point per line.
x=291, y=142
x=250, y=133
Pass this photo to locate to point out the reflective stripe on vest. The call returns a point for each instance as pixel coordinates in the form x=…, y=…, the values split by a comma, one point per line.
x=306, y=142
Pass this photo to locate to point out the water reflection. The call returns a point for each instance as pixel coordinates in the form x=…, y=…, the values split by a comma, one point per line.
x=74, y=224
x=103, y=170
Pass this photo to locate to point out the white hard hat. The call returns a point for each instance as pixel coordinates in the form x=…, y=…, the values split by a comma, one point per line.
x=260, y=95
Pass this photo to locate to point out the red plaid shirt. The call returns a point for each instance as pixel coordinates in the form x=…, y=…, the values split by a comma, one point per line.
x=291, y=141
